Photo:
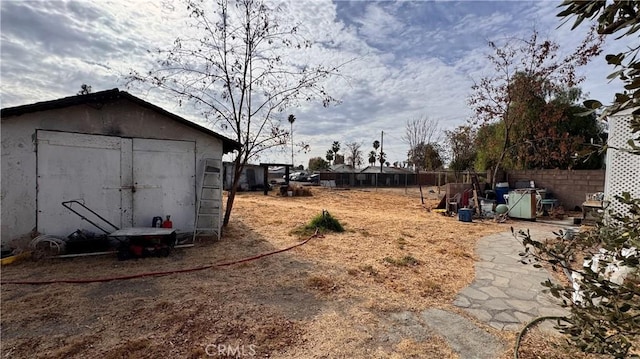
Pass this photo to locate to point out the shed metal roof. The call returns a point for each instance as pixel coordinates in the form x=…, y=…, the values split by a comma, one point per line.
x=109, y=96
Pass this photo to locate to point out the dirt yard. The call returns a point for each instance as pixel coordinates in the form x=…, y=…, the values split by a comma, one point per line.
x=341, y=295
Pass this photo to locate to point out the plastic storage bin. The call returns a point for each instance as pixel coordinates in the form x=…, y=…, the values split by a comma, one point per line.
x=465, y=214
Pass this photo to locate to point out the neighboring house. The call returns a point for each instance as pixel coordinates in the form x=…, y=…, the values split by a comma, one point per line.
x=127, y=159
x=387, y=170
x=389, y=176
x=251, y=178
x=342, y=168
x=623, y=168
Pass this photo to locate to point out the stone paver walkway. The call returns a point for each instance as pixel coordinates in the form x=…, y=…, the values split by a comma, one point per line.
x=506, y=293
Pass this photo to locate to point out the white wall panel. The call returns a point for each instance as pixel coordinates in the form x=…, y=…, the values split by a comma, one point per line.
x=76, y=167
x=164, y=178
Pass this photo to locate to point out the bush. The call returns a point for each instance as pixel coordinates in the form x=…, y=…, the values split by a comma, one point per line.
x=605, y=311
x=325, y=222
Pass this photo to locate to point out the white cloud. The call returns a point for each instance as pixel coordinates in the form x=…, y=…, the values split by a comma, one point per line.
x=412, y=58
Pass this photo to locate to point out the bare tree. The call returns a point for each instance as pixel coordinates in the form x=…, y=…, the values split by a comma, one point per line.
x=420, y=132
x=354, y=154
x=238, y=70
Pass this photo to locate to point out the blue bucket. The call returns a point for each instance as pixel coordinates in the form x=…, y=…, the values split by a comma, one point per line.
x=465, y=214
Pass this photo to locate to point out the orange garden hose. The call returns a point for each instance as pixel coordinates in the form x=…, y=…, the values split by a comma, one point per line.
x=157, y=274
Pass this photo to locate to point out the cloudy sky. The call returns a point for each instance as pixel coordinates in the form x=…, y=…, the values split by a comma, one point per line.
x=412, y=58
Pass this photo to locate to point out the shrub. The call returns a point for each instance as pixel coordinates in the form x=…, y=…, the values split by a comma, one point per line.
x=605, y=310
x=325, y=222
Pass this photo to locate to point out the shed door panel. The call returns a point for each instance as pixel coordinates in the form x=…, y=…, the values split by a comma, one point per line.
x=75, y=166
x=164, y=178
x=126, y=181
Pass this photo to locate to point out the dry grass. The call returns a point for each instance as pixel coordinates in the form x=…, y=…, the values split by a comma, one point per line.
x=332, y=297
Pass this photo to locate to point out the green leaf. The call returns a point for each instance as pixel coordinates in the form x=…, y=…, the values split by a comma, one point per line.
x=592, y=104
x=615, y=74
x=633, y=85
x=614, y=59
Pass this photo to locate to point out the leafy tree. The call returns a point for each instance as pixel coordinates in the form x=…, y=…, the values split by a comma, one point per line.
x=238, y=69
x=339, y=159
x=564, y=137
x=547, y=125
x=317, y=164
x=372, y=158
x=524, y=66
x=354, y=154
x=489, y=147
x=426, y=156
x=462, y=144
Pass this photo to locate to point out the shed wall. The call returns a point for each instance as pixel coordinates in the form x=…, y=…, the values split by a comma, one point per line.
x=120, y=118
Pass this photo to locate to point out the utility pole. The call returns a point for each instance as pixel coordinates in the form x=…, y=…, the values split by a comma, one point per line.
x=381, y=149
x=291, y=120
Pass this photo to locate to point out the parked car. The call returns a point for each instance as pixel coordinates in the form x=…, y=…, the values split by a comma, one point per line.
x=315, y=178
x=299, y=176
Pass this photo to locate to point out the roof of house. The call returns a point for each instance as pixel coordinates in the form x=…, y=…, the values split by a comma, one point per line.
x=109, y=96
x=386, y=169
x=342, y=168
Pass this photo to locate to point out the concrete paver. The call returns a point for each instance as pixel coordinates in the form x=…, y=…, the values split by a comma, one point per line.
x=463, y=336
x=505, y=293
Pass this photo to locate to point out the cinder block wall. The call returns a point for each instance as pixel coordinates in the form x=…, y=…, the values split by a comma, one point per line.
x=568, y=186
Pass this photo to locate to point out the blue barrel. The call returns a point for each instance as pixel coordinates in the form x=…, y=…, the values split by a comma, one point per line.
x=465, y=214
x=500, y=192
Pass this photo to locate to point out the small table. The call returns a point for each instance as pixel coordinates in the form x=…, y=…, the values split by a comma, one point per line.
x=590, y=205
x=145, y=241
x=142, y=231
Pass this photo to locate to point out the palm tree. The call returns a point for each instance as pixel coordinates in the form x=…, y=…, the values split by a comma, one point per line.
x=291, y=120
x=372, y=158
x=382, y=157
x=330, y=155
x=335, y=147
x=376, y=145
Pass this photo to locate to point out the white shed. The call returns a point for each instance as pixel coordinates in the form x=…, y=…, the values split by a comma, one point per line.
x=251, y=178
x=623, y=168
x=127, y=159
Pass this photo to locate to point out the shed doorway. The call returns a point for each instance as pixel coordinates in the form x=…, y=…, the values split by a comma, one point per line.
x=126, y=180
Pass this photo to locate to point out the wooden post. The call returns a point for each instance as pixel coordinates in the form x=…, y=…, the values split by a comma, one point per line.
x=286, y=175
x=265, y=179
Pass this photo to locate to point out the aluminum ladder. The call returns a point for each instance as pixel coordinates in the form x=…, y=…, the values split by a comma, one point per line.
x=209, y=201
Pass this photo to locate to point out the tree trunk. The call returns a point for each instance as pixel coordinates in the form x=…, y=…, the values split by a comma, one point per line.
x=237, y=171
x=505, y=146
